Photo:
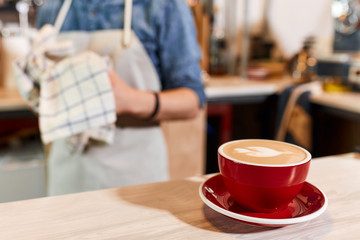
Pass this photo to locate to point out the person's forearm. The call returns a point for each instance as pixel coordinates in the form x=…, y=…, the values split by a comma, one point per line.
x=180, y=103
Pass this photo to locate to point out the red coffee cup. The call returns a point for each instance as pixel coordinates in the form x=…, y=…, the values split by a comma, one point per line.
x=261, y=185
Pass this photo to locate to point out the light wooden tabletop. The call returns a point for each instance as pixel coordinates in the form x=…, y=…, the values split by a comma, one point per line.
x=173, y=210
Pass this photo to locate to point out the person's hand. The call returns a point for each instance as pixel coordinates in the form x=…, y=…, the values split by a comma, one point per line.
x=129, y=100
x=121, y=91
x=178, y=103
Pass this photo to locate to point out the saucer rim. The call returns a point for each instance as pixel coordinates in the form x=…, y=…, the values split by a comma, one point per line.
x=258, y=220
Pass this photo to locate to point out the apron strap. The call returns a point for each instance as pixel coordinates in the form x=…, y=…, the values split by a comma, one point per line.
x=127, y=23
x=127, y=19
x=62, y=14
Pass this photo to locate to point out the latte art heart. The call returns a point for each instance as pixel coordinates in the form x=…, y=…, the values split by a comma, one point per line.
x=264, y=152
x=259, y=151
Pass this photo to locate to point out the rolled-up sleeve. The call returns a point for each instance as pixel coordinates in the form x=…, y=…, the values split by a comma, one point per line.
x=179, y=52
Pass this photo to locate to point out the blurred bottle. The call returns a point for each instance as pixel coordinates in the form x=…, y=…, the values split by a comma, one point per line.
x=302, y=65
x=13, y=45
x=218, y=54
x=218, y=50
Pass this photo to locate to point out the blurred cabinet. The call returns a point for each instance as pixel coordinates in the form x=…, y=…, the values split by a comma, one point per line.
x=22, y=172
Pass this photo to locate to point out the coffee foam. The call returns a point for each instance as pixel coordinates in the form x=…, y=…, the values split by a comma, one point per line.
x=265, y=152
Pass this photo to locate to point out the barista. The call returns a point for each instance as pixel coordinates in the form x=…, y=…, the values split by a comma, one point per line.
x=156, y=77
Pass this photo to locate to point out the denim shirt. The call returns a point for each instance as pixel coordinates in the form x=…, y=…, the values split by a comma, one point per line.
x=165, y=28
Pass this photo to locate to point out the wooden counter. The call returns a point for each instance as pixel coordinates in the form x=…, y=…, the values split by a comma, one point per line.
x=226, y=89
x=12, y=105
x=346, y=101
x=10, y=100
x=233, y=89
x=173, y=210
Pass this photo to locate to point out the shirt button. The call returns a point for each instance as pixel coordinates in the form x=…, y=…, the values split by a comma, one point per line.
x=93, y=12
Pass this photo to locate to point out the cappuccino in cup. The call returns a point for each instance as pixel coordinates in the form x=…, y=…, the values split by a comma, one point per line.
x=264, y=152
x=263, y=175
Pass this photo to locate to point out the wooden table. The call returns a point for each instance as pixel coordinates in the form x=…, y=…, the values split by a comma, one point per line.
x=173, y=210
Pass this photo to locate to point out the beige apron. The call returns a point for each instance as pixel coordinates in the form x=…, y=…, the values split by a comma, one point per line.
x=138, y=154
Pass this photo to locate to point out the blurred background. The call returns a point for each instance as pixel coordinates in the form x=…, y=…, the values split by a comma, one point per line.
x=255, y=54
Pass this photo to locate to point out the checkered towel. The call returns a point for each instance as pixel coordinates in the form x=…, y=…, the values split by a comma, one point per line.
x=71, y=92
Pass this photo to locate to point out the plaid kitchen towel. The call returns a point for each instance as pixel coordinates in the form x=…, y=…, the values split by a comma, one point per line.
x=71, y=92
